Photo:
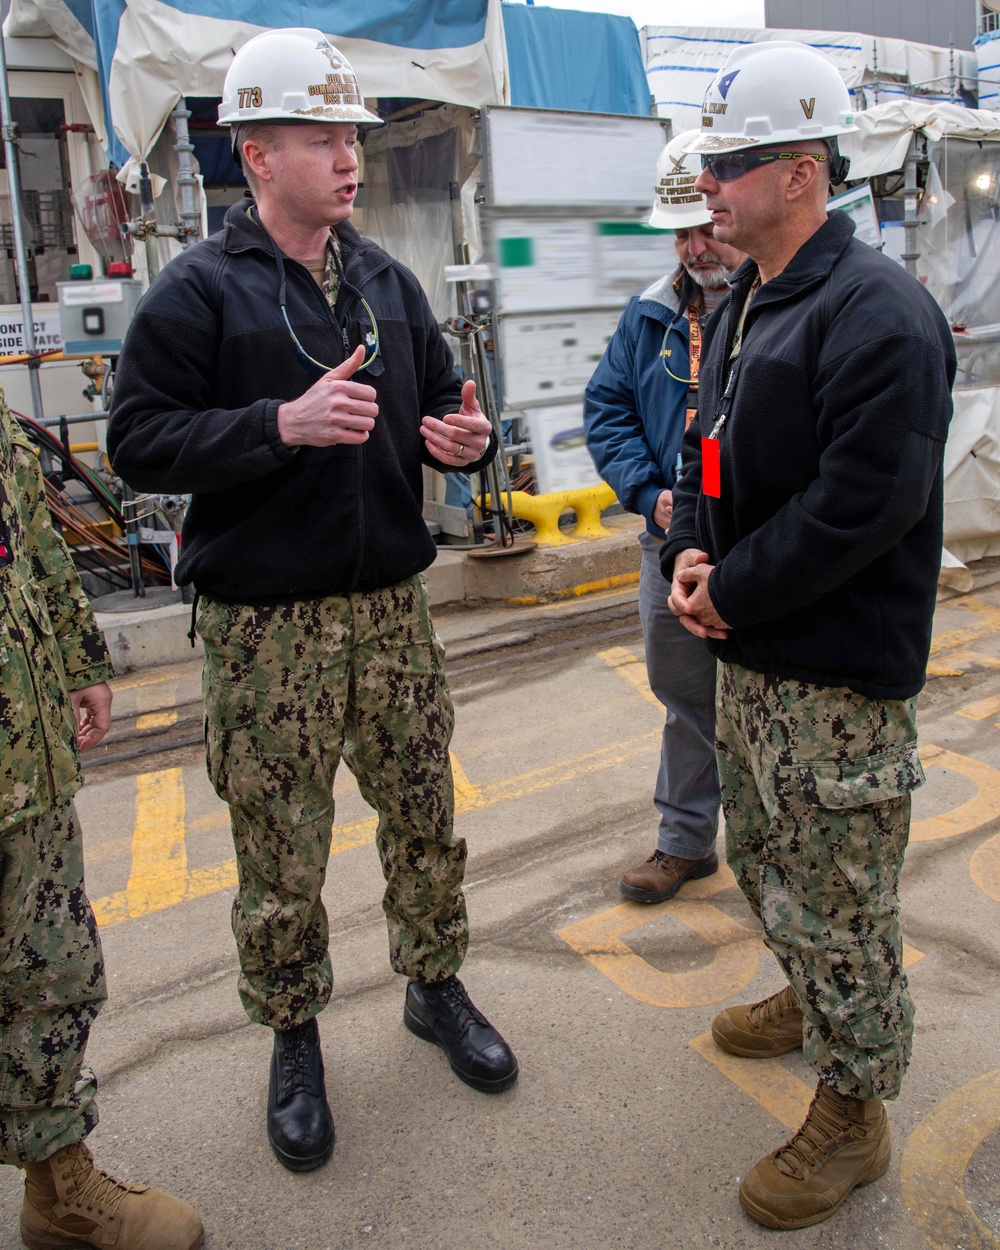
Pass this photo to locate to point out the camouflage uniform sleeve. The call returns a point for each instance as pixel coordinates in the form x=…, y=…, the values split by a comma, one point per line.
x=84, y=652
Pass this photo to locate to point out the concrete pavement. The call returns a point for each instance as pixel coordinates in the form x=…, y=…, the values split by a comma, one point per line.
x=627, y=1128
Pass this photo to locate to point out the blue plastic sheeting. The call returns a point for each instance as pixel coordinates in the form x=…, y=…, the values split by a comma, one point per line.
x=443, y=24
x=562, y=59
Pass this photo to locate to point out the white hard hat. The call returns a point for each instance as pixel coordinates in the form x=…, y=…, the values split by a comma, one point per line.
x=295, y=74
x=769, y=93
x=677, y=205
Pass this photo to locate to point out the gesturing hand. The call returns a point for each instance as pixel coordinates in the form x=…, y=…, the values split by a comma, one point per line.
x=460, y=437
x=333, y=410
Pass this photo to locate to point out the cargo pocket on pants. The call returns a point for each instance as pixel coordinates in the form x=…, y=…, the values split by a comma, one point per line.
x=230, y=745
x=855, y=821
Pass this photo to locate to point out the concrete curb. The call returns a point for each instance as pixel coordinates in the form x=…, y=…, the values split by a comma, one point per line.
x=159, y=635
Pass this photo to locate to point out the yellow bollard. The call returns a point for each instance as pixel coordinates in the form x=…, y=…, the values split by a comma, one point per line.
x=544, y=511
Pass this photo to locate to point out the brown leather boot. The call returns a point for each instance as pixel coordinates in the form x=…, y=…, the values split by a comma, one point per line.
x=68, y=1202
x=843, y=1143
x=661, y=876
x=760, y=1030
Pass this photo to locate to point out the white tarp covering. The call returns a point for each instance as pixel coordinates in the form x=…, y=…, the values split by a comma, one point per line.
x=158, y=51
x=680, y=62
x=884, y=132
x=972, y=476
x=987, y=47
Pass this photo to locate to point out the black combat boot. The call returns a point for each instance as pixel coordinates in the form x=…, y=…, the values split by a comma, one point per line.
x=299, y=1123
x=443, y=1013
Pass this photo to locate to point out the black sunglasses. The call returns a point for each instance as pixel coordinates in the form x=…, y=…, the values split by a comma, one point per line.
x=725, y=166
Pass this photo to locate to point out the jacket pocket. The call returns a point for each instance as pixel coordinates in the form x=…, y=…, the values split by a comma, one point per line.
x=37, y=610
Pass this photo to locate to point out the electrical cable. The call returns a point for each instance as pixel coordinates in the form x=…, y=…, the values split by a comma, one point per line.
x=69, y=515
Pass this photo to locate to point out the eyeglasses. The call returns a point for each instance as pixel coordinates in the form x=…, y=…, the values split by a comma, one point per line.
x=725, y=166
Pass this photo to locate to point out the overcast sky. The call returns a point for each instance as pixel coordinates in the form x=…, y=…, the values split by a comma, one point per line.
x=674, y=12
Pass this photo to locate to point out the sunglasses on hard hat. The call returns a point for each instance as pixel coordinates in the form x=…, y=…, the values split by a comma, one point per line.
x=725, y=166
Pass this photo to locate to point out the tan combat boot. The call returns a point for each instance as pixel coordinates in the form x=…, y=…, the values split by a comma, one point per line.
x=760, y=1030
x=844, y=1143
x=68, y=1202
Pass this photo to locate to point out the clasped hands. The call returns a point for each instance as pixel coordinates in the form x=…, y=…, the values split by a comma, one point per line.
x=689, y=598
x=337, y=409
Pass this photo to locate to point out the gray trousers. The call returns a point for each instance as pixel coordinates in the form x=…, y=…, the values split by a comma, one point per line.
x=681, y=672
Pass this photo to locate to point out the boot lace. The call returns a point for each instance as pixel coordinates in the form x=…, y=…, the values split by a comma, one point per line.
x=454, y=998
x=296, y=1073
x=766, y=1012
x=821, y=1127
x=92, y=1188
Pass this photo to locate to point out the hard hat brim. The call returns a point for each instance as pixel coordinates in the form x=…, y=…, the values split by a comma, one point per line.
x=680, y=218
x=710, y=143
x=360, y=117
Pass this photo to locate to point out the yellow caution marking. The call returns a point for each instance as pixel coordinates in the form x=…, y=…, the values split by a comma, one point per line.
x=989, y=623
x=628, y=664
x=936, y=1158
x=156, y=720
x=733, y=965
x=984, y=867
x=778, y=1091
x=983, y=807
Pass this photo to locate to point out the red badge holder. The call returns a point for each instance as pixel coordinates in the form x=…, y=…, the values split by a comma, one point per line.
x=711, y=468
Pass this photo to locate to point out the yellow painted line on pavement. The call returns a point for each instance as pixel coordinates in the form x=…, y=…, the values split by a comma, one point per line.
x=767, y=1081
x=984, y=867
x=936, y=1158
x=983, y=807
x=467, y=796
x=510, y=788
x=981, y=710
x=156, y=720
x=574, y=592
x=628, y=664
x=594, y=596
x=125, y=905
x=159, y=876
x=989, y=623
x=133, y=683
x=733, y=965
x=960, y=662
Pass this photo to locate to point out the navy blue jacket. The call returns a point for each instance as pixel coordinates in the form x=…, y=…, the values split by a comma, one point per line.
x=826, y=538
x=207, y=363
x=633, y=409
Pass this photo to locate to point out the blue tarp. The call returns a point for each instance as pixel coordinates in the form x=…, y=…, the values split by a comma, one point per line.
x=563, y=59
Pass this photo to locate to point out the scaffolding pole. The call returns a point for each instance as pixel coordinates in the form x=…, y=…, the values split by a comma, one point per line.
x=10, y=138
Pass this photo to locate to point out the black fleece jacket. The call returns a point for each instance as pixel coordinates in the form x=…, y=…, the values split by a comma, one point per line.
x=205, y=366
x=826, y=539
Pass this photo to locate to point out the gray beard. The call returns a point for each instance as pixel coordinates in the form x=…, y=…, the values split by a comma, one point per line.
x=709, y=279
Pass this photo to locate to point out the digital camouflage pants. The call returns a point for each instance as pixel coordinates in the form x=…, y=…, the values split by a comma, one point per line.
x=51, y=988
x=290, y=689
x=816, y=786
